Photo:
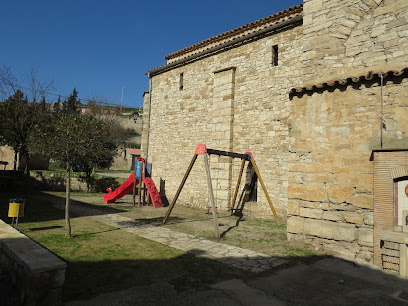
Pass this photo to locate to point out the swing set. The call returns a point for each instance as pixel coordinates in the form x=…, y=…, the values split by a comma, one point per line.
x=202, y=150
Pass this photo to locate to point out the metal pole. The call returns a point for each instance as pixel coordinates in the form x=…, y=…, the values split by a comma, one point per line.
x=382, y=109
x=18, y=213
x=134, y=183
x=121, y=100
x=148, y=118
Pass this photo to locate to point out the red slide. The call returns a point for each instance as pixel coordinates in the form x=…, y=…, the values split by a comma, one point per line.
x=154, y=194
x=125, y=188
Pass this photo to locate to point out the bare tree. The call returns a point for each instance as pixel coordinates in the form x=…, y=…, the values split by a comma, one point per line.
x=31, y=84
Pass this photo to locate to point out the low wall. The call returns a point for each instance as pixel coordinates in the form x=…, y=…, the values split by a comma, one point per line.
x=57, y=183
x=36, y=273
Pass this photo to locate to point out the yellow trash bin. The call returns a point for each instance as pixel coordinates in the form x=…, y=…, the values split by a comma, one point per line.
x=16, y=208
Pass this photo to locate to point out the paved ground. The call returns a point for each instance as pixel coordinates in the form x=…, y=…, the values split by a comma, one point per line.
x=328, y=281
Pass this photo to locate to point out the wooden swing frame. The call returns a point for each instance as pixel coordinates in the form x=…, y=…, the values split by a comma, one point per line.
x=202, y=150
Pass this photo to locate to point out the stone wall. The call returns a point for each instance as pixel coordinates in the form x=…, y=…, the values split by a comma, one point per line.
x=7, y=155
x=235, y=100
x=330, y=173
x=330, y=194
x=353, y=37
x=36, y=273
x=56, y=182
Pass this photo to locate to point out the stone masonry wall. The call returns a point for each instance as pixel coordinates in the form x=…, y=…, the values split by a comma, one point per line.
x=353, y=37
x=333, y=131
x=330, y=174
x=234, y=100
x=37, y=274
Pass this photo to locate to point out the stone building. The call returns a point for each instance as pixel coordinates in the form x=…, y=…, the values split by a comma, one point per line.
x=319, y=94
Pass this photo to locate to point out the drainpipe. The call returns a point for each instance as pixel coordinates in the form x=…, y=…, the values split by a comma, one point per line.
x=382, y=108
x=148, y=117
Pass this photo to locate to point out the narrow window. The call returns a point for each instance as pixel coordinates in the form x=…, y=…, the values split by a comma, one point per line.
x=181, y=81
x=275, y=55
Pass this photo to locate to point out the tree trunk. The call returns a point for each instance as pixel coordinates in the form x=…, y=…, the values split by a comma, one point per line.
x=27, y=166
x=67, y=196
x=15, y=160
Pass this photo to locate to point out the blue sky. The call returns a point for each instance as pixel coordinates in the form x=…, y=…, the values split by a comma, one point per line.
x=101, y=46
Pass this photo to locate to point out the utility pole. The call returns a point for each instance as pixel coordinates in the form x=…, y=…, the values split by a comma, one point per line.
x=121, y=100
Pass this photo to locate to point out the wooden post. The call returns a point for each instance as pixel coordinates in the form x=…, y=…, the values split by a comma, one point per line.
x=180, y=188
x=264, y=189
x=238, y=183
x=211, y=196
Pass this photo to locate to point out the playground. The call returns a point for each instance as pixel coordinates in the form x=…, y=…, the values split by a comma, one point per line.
x=133, y=251
x=124, y=254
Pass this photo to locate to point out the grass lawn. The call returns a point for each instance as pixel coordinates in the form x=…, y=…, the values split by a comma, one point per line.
x=102, y=258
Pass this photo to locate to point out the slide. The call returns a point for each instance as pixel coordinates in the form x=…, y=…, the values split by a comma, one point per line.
x=125, y=188
x=154, y=194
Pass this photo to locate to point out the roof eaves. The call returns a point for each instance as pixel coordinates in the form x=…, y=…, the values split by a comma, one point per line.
x=287, y=12
x=232, y=42
x=370, y=76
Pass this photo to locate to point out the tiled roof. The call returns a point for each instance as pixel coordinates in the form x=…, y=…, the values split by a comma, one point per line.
x=370, y=76
x=133, y=151
x=242, y=30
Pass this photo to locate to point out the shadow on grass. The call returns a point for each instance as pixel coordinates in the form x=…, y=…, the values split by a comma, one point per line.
x=44, y=228
x=40, y=207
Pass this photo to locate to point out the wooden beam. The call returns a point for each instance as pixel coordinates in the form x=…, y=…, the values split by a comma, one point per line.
x=229, y=154
x=237, y=187
x=265, y=191
x=211, y=196
x=180, y=188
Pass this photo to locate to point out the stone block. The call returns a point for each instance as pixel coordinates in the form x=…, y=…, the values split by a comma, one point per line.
x=311, y=213
x=391, y=259
x=307, y=192
x=295, y=225
x=391, y=266
x=391, y=245
x=330, y=230
x=361, y=201
x=368, y=217
x=293, y=208
x=366, y=237
x=339, y=194
x=333, y=215
x=393, y=253
x=353, y=217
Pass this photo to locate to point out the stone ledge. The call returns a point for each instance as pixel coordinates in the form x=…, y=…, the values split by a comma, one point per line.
x=395, y=237
x=28, y=252
x=37, y=274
